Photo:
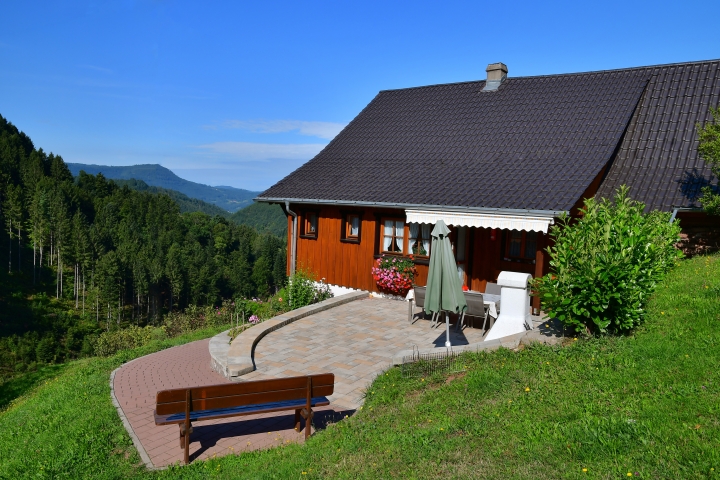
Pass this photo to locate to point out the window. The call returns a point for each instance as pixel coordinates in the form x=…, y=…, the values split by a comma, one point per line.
x=352, y=224
x=461, y=252
x=393, y=236
x=419, y=240
x=309, y=225
x=520, y=246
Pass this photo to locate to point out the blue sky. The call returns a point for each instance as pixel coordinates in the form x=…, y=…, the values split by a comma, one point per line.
x=242, y=93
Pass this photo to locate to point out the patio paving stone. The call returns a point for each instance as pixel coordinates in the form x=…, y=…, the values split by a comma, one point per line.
x=355, y=341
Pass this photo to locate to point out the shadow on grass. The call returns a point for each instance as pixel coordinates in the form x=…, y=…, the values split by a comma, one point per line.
x=19, y=386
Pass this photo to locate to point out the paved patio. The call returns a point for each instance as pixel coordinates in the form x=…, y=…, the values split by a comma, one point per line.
x=356, y=341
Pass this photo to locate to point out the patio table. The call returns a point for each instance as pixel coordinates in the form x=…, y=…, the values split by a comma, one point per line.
x=493, y=303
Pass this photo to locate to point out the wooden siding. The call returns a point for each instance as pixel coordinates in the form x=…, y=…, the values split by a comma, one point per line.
x=350, y=264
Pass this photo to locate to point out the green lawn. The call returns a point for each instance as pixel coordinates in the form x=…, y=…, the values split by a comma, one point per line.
x=645, y=404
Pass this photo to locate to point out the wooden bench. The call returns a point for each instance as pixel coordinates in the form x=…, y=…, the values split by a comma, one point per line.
x=186, y=405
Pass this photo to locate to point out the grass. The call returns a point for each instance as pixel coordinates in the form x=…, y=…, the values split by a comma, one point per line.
x=61, y=423
x=645, y=404
x=16, y=388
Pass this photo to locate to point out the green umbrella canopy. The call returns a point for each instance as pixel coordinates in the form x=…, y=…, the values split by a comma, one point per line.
x=444, y=291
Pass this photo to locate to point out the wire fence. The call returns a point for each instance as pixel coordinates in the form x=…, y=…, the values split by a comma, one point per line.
x=428, y=364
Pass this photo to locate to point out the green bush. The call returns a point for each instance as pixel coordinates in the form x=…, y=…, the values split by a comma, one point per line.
x=197, y=318
x=303, y=290
x=109, y=343
x=45, y=350
x=606, y=264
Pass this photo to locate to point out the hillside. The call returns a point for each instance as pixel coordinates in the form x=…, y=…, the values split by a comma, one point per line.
x=642, y=405
x=262, y=217
x=185, y=203
x=227, y=198
x=82, y=256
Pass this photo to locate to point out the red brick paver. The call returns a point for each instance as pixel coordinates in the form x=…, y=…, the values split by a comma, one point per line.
x=136, y=384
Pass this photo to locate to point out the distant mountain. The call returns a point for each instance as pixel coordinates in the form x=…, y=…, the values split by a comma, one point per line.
x=185, y=203
x=228, y=198
x=263, y=217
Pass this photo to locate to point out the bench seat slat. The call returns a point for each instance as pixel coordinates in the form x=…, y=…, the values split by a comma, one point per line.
x=243, y=388
x=246, y=399
x=236, y=411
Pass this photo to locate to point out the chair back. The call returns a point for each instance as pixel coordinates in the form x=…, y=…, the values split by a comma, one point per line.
x=420, y=296
x=475, y=304
x=492, y=289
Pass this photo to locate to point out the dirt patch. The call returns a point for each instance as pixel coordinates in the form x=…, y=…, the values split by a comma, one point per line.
x=455, y=377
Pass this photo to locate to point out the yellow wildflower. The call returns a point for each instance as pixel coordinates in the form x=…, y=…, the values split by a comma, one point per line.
x=527, y=389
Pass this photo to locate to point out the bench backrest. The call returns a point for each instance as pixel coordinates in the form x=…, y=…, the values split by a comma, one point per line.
x=228, y=395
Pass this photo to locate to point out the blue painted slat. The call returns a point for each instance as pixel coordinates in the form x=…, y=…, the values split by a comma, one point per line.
x=245, y=409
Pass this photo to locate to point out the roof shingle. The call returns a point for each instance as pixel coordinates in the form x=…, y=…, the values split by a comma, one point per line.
x=536, y=143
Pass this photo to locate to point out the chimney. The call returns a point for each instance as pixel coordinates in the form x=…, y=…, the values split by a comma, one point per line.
x=496, y=74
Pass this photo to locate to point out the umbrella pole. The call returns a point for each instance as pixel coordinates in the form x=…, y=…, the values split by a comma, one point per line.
x=447, y=330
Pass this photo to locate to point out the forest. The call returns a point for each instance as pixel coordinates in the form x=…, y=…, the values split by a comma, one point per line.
x=82, y=255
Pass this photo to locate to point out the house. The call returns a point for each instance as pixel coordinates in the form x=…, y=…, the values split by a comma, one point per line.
x=499, y=160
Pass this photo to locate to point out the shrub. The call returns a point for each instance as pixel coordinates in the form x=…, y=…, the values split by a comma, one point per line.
x=303, y=290
x=196, y=318
x=605, y=265
x=109, y=343
x=45, y=350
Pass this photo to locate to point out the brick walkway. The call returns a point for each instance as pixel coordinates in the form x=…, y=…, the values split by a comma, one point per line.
x=355, y=341
x=136, y=383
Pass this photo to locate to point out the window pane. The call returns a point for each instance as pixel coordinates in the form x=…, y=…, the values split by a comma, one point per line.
x=530, y=244
x=313, y=223
x=426, y=238
x=414, y=229
x=515, y=244
x=460, y=254
x=354, y=225
x=388, y=227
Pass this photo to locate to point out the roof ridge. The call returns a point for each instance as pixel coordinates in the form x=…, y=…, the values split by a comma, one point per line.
x=610, y=70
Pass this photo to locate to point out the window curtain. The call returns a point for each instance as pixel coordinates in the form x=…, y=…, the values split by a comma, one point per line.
x=387, y=237
x=399, y=234
x=426, y=237
x=414, y=228
x=354, y=225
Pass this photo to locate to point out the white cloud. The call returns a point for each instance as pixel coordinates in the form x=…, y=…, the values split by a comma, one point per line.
x=327, y=130
x=248, y=151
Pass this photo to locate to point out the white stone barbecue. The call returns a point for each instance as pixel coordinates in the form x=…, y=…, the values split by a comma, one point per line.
x=515, y=305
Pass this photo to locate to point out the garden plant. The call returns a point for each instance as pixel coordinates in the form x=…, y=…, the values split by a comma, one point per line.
x=394, y=275
x=605, y=265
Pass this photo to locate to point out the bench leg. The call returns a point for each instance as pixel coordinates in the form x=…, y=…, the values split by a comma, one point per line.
x=308, y=424
x=297, y=420
x=182, y=434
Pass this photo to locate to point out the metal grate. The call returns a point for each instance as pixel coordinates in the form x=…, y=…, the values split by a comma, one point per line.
x=428, y=364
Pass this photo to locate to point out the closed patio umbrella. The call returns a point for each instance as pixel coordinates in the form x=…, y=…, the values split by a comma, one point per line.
x=444, y=291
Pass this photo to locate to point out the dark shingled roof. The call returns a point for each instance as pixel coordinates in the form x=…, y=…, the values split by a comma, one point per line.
x=536, y=143
x=658, y=157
